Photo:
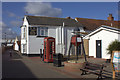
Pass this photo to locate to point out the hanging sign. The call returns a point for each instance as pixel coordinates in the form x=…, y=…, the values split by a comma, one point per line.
x=115, y=62
x=79, y=39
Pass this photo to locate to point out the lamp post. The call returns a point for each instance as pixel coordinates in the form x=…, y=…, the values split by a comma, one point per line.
x=5, y=39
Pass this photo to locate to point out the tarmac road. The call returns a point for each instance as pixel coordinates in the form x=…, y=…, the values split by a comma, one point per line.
x=23, y=67
x=17, y=66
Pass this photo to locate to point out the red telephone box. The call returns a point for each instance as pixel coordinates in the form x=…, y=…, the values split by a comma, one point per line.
x=49, y=49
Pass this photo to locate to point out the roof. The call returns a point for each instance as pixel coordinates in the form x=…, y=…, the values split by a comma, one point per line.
x=52, y=21
x=92, y=24
x=19, y=38
x=103, y=27
x=19, y=42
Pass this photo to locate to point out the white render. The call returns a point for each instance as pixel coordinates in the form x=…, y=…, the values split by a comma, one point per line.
x=106, y=35
x=33, y=44
x=24, y=40
x=16, y=46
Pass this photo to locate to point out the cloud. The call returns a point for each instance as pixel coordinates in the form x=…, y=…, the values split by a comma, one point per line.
x=2, y=24
x=7, y=31
x=16, y=23
x=42, y=9
x=119, y=15
x=10, y=14
x=17, y=19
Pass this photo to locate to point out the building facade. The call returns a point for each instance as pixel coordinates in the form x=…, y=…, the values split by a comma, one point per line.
x=99, y=40
x=90, y=25
x=17, y=44
x=36, y=28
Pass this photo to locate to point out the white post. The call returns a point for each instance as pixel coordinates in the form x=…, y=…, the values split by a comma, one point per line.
x=63, y=42
x=61, y=39
x=27, y=38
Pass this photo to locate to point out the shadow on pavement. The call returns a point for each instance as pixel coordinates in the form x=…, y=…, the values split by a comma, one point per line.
x=14, y=69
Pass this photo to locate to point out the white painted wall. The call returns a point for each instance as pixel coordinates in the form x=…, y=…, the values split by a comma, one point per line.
x=16, y=47
x=34, y=43
x=107, y=37
x=37, y=43
x=68, y=38
x=24, y=40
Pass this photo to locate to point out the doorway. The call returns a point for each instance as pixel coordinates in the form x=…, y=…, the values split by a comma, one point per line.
x=98, y=49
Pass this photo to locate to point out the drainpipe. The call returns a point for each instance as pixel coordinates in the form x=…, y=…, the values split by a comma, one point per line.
x=63, y=38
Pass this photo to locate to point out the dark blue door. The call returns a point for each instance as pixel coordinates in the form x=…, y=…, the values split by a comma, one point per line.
x=98, y=49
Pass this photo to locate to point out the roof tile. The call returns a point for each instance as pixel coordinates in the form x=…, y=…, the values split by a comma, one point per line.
x=52, y=21
x=92, y=24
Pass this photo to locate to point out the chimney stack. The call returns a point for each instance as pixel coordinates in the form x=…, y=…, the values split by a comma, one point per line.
x=110, y=18
x=69, y=17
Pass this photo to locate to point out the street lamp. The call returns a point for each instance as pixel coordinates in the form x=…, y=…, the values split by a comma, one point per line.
x=5, y=39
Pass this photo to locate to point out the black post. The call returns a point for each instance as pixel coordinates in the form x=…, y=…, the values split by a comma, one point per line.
x=76, y=48
x=41, y=53
x=83, y=49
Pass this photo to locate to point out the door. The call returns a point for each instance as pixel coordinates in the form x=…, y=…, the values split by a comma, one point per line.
x=98, y=49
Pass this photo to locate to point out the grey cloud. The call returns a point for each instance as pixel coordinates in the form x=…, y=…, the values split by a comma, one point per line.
x=10, y=14
x=16, y=23
x=42, y=9
x=7, y=31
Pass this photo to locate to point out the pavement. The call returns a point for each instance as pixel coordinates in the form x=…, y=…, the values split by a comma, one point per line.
x=24, y=67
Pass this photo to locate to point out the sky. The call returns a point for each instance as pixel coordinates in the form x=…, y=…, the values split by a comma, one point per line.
x=13, y=12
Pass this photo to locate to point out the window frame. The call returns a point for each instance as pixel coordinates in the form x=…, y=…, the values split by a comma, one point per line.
x=23, y=33
x=45, y=32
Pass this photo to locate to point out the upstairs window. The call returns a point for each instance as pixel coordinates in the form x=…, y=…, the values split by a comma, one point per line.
x=32, y=31
x=42, y=31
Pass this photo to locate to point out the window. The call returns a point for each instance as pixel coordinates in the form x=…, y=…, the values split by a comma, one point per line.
x=23, y=32
x=42, y=31
x=33, y=31
x=24, y=48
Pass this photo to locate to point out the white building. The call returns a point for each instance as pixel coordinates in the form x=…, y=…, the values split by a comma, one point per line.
x=8, y=42
x=17, y=43
x=36, y=28
x=100, y=39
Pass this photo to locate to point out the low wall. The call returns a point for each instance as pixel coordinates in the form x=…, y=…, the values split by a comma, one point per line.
x=73, y=66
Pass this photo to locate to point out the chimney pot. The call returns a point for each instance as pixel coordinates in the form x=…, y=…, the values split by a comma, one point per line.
x=110, y=17
x=69, y=17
